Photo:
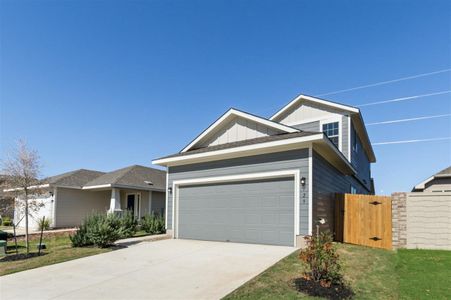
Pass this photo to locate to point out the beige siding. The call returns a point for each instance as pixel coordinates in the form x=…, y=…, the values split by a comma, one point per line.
x=73, y=205
x=158, y=203
x=303, y=113
x=238, y=129
x=429, y=220
x=438, y=184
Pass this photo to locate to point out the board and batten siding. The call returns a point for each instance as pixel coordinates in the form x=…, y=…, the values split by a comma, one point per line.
x=288, y=160
x=239, y=129
x=327, y=181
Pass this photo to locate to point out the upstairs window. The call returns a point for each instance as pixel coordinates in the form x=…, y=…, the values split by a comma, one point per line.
x=355, y=144
x=353, y=190
x=332, y=131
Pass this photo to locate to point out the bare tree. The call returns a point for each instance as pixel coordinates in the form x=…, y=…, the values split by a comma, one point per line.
x=22, y=168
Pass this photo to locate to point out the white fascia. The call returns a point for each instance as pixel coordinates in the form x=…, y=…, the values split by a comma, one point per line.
x=243, y=115
x=315, y=100
x=100, y=186
x=32, y=187
x=180, y=159
x=422, y=184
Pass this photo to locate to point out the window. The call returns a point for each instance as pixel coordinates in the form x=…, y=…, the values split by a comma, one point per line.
x=332, y=132
x=353, y=190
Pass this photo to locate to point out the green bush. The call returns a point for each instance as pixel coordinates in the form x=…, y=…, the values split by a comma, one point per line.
x=128, y=224
x=44, y=224
x=153, y=224
x=6, y=221
x=80, y=238
x=322, y=260
x=103, y=230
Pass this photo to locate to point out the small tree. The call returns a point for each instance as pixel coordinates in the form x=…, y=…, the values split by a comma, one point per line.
x=22, y=168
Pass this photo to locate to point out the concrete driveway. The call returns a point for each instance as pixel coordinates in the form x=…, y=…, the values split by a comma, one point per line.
x=168, y=269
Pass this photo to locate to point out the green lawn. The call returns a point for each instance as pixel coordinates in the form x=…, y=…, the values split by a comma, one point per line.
x=371, y=273
x=424, y=274
x=58, y=250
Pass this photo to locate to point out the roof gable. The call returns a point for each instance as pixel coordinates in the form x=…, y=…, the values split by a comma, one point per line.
x=331, y=107
x=76, y=178
x=236, y=126
x=133, y=176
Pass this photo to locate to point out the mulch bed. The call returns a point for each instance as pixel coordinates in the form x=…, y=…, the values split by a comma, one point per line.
x=315, y=289
x=20, y=256
x=48, y=234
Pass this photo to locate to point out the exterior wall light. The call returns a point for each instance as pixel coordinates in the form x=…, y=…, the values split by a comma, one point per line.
x=170, y=190
x=303, y=181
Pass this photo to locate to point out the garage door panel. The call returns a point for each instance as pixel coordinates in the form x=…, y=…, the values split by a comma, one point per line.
x=260, y=211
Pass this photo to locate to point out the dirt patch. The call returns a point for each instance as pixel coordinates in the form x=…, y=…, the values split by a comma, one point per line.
x=315, y=289
x=20, y=256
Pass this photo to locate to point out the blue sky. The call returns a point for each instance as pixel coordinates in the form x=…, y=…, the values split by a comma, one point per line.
x=106, y=84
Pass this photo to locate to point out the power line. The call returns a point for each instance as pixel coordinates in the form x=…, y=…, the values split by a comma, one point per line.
x=412, y=141
x=409, y=119
x=385, y=82
x=405, y=98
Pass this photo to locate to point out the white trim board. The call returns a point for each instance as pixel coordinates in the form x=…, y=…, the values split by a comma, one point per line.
x=231, y=178
x=244, y=115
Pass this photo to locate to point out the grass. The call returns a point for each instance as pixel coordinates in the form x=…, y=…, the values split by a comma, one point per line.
x=424, y=274
x=58, y=250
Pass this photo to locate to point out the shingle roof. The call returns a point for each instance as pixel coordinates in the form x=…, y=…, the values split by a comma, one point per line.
x=445, y=172
x=133, y=176
x=76, y=178
x=259, y=140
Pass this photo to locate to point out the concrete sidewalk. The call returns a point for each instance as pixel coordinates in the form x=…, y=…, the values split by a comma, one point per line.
x=167, y=269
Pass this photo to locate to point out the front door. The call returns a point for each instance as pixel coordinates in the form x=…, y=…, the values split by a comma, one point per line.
x=133, y=204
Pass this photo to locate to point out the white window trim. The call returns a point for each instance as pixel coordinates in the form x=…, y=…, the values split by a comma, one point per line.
x=340, y=129
x=310, y=189
x=231, y=178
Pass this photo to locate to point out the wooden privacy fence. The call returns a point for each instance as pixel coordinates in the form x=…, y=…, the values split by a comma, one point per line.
x=364, y=220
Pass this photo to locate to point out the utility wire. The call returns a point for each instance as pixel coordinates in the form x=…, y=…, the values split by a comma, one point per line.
x=384, y=82
x=412, y=141
x=409, y=119
x=405, y=98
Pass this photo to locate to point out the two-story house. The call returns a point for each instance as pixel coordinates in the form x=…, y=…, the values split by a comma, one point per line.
x=255, y=180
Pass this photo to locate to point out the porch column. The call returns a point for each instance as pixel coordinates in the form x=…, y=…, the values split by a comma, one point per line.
x=115, y=203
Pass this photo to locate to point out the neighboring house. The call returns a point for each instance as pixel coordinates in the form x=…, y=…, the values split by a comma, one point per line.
x=255, y=180
x=68, y=198
x=6, y=201
x=440, y=182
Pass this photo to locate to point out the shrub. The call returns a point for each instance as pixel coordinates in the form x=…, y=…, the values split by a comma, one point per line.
x=322, y=260
x=44, y=224
x=98, y=229
x=3, y=235
x=6, y=221
x=128, y=224
x=80, y=238
x=153, y=224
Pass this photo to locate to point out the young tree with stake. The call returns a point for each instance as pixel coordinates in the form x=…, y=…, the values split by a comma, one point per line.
x=23, y=169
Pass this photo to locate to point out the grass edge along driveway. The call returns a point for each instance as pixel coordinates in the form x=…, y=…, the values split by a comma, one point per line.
x=371, y=273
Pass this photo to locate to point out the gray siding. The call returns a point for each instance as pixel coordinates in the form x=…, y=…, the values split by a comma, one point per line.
x=311, y=126
x=73, y=205
x=360, y=161
x=327, y=181
x=438, y=184
x=297, y=159
x=315, y=126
